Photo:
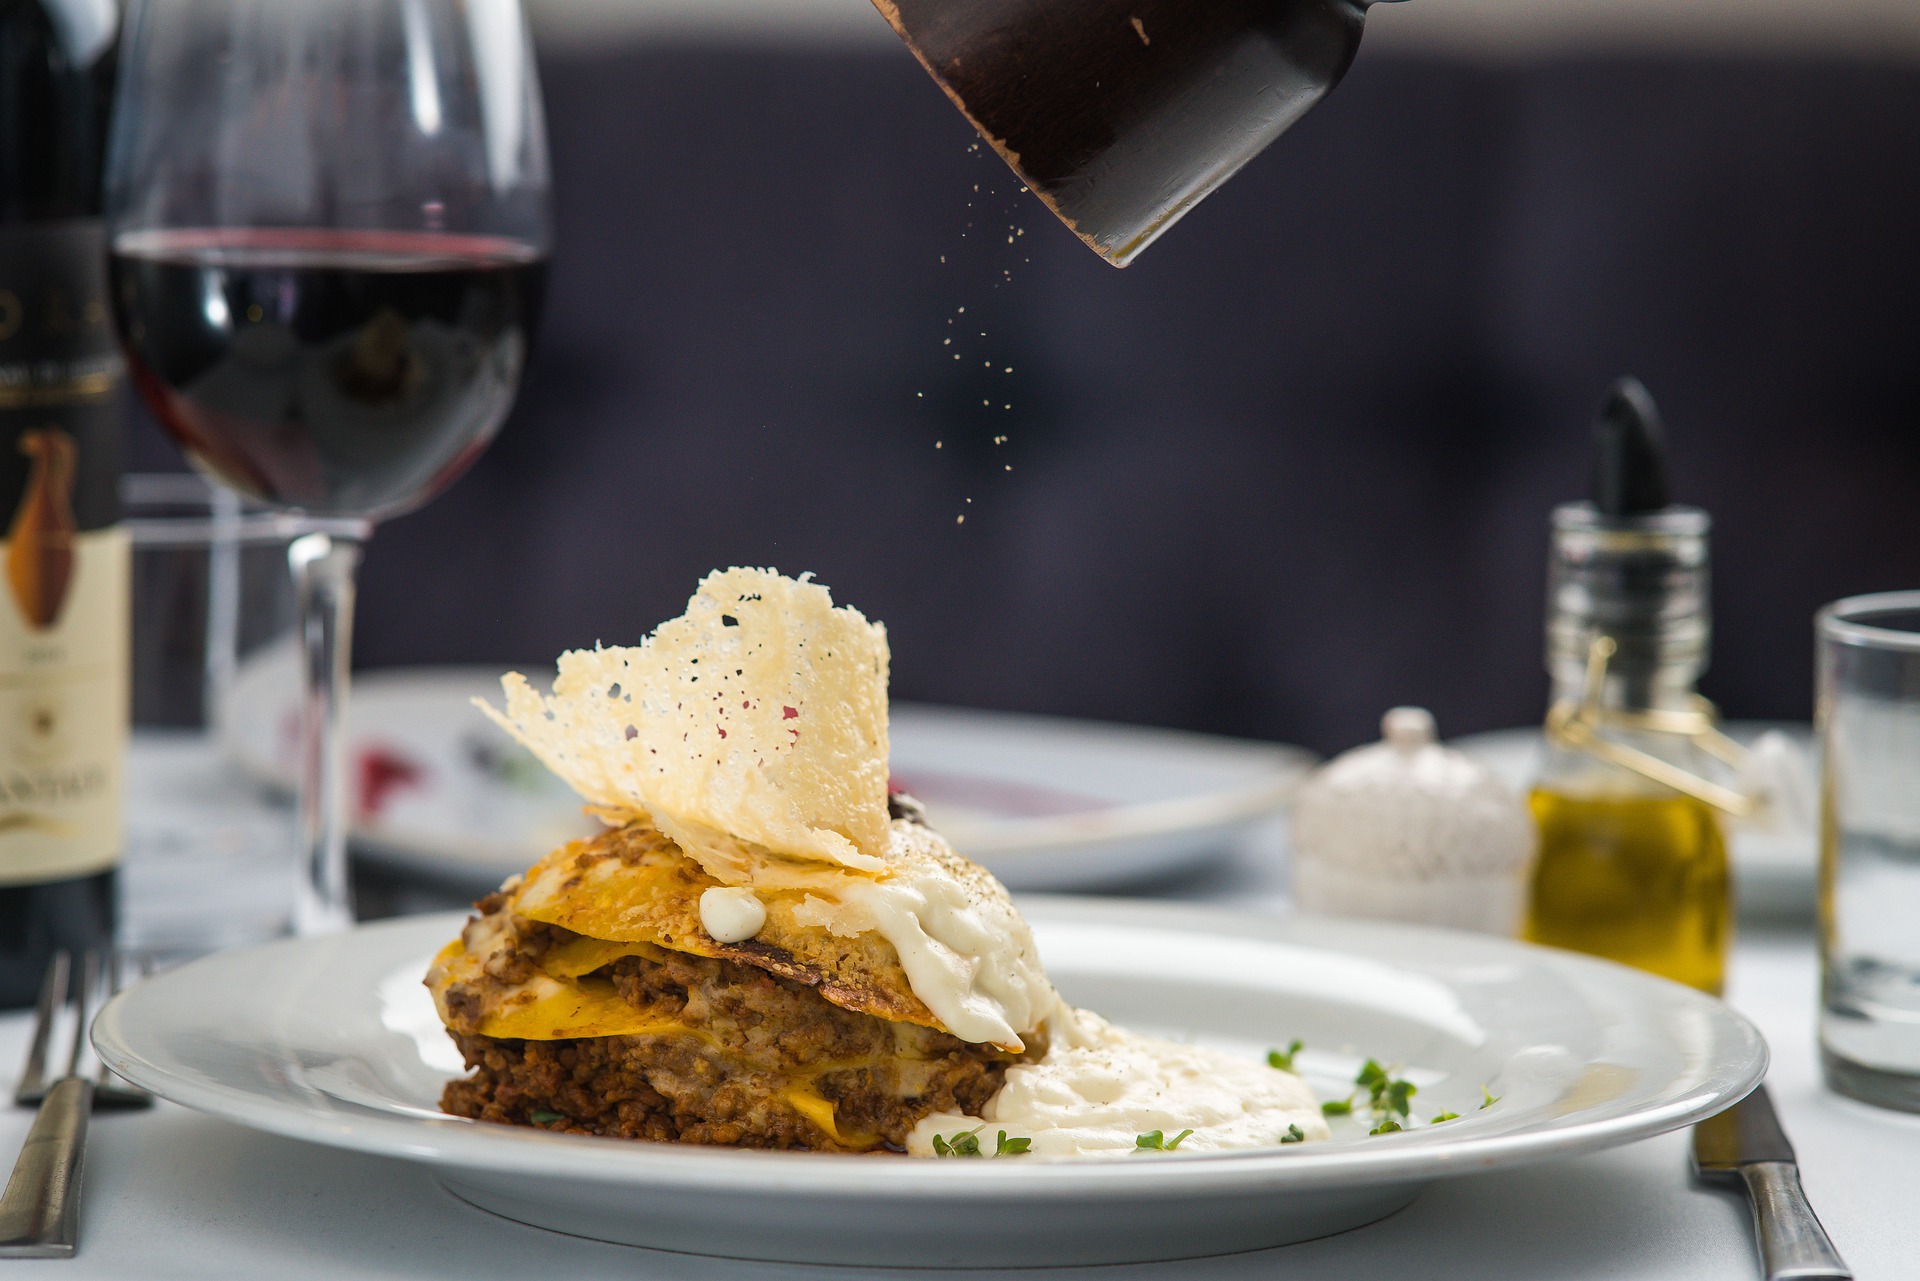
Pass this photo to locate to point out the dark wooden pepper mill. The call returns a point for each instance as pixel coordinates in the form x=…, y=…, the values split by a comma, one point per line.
x=1123, y=114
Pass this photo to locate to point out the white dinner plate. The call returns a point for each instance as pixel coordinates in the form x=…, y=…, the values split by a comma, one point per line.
x=1774, y=867
x=334, y=1041
x=1044, y=803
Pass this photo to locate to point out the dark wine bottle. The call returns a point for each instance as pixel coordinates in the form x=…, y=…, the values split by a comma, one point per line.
x=64, y=563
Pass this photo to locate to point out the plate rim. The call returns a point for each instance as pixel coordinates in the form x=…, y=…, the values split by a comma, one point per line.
x=457, y=1144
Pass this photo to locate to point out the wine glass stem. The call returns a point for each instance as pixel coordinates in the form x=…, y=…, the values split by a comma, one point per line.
x=323, y=565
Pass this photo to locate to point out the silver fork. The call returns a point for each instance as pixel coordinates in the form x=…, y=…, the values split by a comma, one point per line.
x=40, y=1210
x=109, y=1091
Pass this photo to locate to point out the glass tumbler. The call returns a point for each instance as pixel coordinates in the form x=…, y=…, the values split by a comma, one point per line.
x=1869, y=723
x=211, y=857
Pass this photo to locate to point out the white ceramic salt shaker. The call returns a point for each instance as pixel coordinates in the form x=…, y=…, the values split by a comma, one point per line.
x=1409, y=830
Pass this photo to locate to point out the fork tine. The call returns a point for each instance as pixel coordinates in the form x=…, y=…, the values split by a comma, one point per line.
x=83, y=998
x=53, y=994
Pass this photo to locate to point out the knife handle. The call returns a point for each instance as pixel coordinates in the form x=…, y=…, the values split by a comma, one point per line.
x=1793, y=1245
x=40, y=1210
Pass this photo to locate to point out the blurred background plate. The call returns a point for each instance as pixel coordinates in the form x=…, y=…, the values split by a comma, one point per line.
x=1053, y=804
x=1773, y=867
x=1045, y=803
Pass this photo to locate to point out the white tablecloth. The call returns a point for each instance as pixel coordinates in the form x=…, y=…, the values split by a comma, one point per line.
x=173, y=1194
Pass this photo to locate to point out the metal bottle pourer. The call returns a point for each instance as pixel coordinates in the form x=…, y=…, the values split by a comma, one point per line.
x=1628, y=603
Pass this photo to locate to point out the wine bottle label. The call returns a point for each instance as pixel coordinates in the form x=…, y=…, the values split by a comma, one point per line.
x=63, y=719
x=65, y=562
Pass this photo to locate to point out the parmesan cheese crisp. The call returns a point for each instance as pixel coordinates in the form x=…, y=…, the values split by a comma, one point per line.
x=755, y=724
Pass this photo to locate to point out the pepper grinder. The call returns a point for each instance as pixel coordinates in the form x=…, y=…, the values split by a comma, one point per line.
x=1124, y=117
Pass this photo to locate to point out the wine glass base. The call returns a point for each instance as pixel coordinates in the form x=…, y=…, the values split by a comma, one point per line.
x=312, y=920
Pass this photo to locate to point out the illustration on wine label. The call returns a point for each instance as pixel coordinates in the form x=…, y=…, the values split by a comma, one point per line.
x=40, y=541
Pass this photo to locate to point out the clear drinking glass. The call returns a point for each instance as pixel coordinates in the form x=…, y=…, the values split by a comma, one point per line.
x=328, y=231
x=1869, y=723
x=210, y=858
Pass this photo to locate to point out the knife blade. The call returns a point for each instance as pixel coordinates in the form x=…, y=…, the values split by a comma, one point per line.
x=1745, y=1144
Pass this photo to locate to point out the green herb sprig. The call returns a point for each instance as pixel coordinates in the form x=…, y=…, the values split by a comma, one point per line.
x=965, y=1143
x=1389, y=1100
x=1387, y=1095
x=1155, y=1141
x=1283, y=1059
x=541, y=1116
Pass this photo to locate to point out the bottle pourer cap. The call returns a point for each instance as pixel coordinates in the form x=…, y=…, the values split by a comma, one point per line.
x=1629, y=453
x=1629, y=564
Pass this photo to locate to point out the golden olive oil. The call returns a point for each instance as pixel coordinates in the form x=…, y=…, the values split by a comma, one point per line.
x=1636, y=877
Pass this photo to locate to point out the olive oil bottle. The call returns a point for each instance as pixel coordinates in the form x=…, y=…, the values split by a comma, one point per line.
x=1640, y=878
x=1633, y=853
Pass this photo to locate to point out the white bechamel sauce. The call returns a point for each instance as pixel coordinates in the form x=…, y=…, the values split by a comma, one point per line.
x=1100, y=1087
x=967, y=952
x=731, y=915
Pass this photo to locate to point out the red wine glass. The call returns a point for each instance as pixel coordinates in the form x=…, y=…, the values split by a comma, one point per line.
x=328, y=227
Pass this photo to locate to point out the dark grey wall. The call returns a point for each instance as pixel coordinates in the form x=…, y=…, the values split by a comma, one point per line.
x=1292, y=467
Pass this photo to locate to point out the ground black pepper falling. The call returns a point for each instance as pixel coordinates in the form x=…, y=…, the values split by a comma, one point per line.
x=977, y=402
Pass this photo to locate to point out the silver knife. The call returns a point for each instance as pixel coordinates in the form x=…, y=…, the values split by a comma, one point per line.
x=1746, y=1144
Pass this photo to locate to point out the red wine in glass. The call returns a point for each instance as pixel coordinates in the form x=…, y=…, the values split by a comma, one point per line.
x=347, y=374
x=339, y=372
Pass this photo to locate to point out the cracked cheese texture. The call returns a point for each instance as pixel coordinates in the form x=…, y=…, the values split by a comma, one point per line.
x=753, y=724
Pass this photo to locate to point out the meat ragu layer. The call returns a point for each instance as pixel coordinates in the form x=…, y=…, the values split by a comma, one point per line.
x=744, y=1059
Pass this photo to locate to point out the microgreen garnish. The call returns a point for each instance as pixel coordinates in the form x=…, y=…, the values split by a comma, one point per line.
x=1294, y=1134
x=1386, y=1127
x=1444, y=1116
x=1011, y=1147
x=965, y=1143
x=1387, y=1095
x=1283, y=1059
x=1337, y=1107
x=1487, y=1098
x=1155, y=1141
x=541, y=1116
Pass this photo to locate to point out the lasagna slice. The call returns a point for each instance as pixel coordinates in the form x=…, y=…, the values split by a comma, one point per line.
x=793, y=1039
x=765, y=949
